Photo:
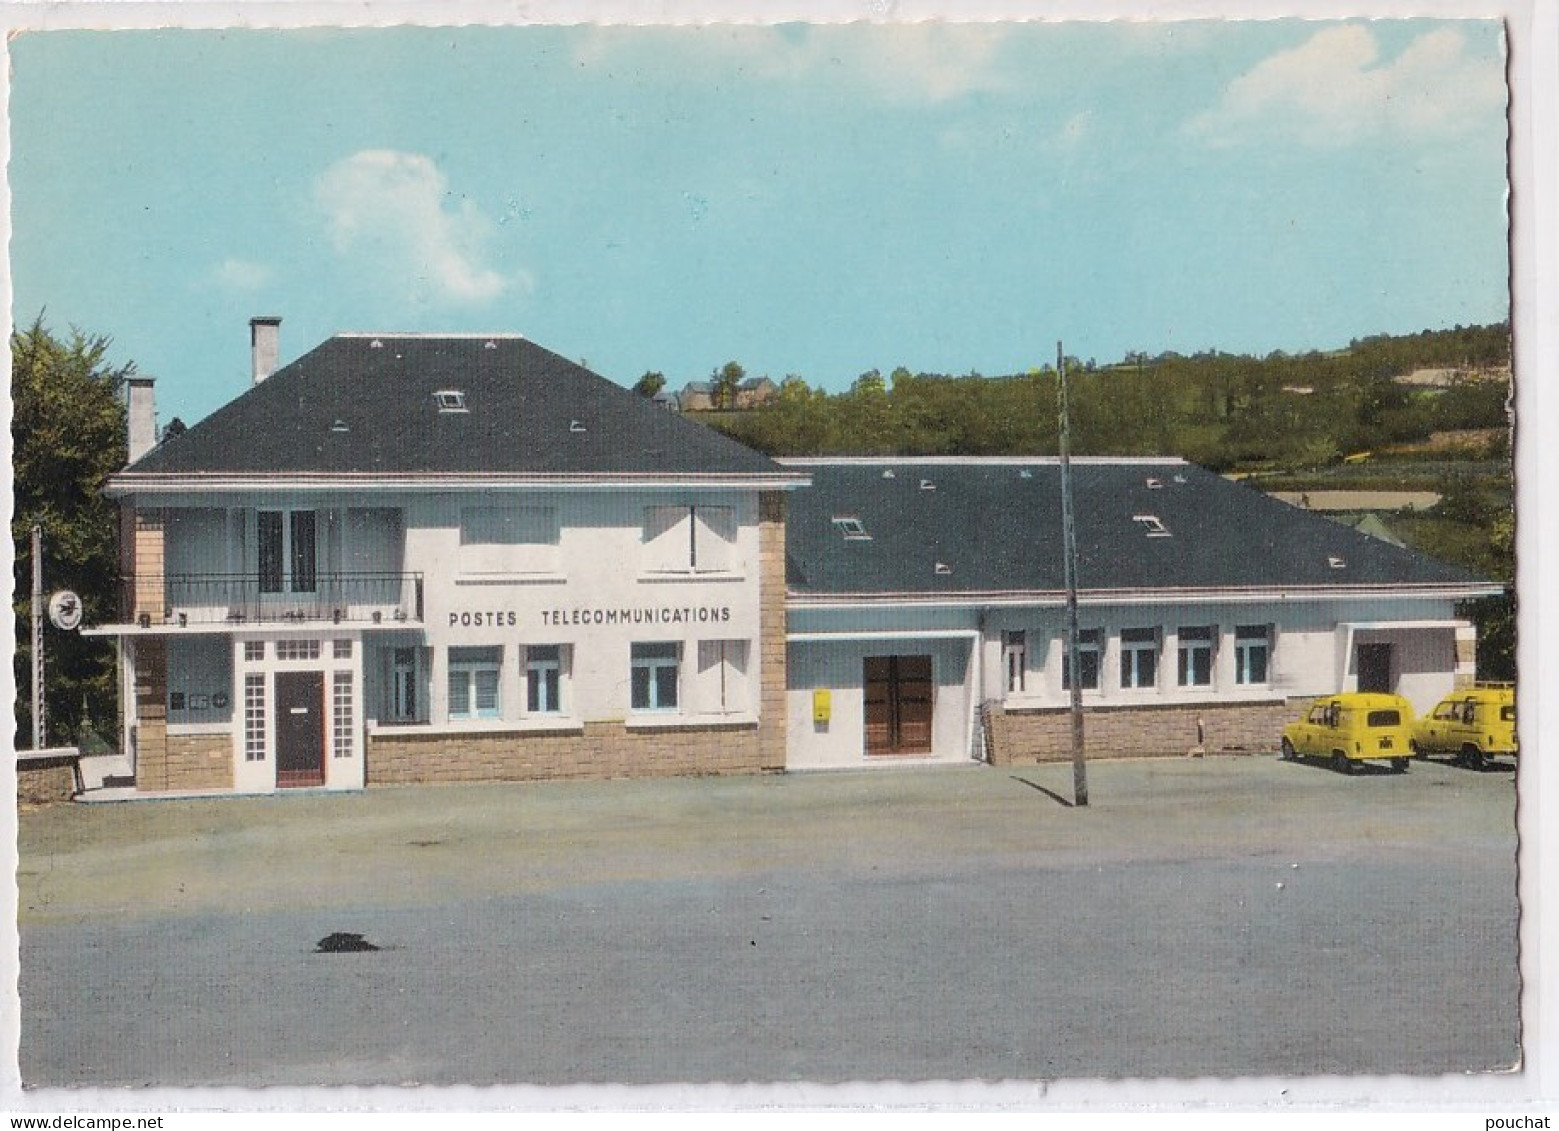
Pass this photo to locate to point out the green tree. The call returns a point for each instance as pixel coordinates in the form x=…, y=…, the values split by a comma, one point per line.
x=724, y=382
x=650, y=384
x=68, y=436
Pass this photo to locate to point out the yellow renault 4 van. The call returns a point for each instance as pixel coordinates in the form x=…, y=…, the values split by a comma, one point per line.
x=1351, y=728
x=1473, y=724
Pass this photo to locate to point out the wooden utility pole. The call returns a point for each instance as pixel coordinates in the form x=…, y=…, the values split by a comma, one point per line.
x=39, y=733
x=1069, y=553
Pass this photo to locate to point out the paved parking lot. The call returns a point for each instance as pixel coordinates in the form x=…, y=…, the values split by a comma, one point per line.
x=1229, y=916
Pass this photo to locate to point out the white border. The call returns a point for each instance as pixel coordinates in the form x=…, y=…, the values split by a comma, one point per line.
x=1533, y=27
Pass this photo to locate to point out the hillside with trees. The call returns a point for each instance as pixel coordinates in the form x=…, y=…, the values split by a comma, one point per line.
x=1224, y=411
x=1351, y=418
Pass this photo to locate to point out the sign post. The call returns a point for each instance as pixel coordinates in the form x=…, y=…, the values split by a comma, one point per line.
x=39, y=730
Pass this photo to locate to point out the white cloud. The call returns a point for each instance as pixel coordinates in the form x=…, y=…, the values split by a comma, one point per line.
x=242, y=274
x=923, y=62
x=1334, y=90
x=393, y=211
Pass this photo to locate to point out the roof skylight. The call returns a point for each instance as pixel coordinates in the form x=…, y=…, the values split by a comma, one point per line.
x=853, y=529
x=450, y=400
x=1152, y=524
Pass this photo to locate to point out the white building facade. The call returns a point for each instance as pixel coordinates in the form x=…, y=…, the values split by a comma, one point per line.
x=408, y=559
x=928, y=620
x=515, y=595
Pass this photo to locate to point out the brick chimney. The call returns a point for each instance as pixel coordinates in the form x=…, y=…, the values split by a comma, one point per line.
x=141, y=414
x=265, y=345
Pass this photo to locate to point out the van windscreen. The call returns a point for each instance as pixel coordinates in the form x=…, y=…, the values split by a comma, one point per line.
x=1507, y=713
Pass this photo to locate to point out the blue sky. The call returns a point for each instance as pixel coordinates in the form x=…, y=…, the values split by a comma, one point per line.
x=817, y=200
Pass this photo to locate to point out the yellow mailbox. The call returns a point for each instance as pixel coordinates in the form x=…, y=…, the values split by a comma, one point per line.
x=822, y=706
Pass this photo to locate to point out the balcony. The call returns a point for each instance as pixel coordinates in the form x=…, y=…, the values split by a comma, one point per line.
x=237, y=599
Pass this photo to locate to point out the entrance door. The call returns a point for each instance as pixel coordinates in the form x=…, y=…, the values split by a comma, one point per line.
x=898, y=705
x=1375, y=667
x=300, y=728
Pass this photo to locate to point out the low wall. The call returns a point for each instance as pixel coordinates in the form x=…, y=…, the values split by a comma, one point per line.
x=1045, y=735
x=45, y=779
x=599, y=750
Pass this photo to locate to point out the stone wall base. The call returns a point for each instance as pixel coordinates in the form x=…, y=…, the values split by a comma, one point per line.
x=45, y=784
x=1014, y=737
x=602, y=750
x=190, y=761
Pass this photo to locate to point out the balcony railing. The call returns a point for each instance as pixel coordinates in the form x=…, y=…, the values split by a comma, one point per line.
x=236, y=598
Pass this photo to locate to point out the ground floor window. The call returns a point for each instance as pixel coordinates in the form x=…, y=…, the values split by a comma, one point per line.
x=1014, y=654
x=254, y=717
x=404, y=681
x=1252, y=650
x=1139, y=657
x=722, y=669
x=654, y=676
x=1196, y=656
x=475, y=675
x=297, y=649
x=1088, y=660
x=341, y=714
x=543, y=679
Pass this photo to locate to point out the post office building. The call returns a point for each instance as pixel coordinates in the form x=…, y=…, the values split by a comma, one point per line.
x=406, y=558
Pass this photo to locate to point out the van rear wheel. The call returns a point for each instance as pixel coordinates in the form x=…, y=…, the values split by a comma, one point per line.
x=1472, y=757
x=1287, y=751
x=1399, y=765
x=1341, y=763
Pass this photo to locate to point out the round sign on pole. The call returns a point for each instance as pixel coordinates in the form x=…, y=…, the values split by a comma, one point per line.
x=65, y=610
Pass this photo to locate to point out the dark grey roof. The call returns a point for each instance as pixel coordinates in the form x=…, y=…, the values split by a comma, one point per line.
x=996, y=527
x=360, y=404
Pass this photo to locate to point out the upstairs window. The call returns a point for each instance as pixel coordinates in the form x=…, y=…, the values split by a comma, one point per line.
x=287, y=551
x=689, y=539
x=508, y=539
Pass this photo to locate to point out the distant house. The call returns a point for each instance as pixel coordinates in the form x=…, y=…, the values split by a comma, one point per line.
x=1429, y=378
x=755, y=392
x=667, y=400
x=696, y=396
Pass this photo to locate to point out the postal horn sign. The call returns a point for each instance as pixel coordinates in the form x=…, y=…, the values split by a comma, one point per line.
x=65, y=610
